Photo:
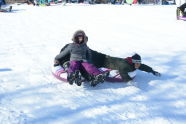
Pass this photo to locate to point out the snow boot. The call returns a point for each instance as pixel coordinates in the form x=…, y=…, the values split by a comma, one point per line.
x=74, y=77
x=70, y=78
x=97, y=79
x=78, y=78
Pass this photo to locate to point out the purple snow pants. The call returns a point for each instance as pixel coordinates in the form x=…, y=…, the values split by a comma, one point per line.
x=89, y=68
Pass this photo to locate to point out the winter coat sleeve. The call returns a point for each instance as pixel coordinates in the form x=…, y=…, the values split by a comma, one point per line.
x=146, y=68
x=64, y=47
x=63, y=53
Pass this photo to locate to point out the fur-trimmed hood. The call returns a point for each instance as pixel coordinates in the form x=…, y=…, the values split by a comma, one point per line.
x=80, y=32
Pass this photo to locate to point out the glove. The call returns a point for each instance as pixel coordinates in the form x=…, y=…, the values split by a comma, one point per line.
x=56, y=63
x=156, y=73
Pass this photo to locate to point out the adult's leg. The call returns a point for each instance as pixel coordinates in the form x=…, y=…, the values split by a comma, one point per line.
x=113, y=63
x=119, y=64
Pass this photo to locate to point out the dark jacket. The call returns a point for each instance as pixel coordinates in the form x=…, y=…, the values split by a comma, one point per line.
x=95, y=56
x=77, y=52
x=124, y=66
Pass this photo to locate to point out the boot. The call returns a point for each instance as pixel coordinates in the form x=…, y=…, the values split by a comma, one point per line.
x=70, y=78
x=74, y=77
x=78, y=79
x=97, y=79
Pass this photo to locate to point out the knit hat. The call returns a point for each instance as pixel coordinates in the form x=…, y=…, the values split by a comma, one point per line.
x=136, y=58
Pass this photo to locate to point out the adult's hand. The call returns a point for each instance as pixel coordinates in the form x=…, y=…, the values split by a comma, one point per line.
x=156, y=73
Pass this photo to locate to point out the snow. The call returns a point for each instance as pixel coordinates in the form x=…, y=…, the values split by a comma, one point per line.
x=32, y=36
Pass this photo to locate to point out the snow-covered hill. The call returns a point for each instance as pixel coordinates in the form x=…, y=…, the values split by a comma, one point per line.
x=30, y=37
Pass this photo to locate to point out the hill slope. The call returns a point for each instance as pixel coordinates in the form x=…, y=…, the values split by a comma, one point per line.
x=30, y=38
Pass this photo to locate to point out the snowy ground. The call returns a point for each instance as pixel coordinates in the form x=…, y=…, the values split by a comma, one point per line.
x=30, y=37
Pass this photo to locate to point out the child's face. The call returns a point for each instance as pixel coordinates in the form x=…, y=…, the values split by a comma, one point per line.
x=80, y=39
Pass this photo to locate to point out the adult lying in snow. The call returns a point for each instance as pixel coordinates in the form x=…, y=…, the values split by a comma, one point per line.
x=124, y=66
x=127, y=65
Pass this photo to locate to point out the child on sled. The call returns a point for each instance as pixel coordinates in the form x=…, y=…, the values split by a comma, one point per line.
x=80, y=58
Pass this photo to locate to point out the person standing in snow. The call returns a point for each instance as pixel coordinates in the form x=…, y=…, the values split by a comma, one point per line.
x=80, y=57
x=182, y=9
x=1, y=2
